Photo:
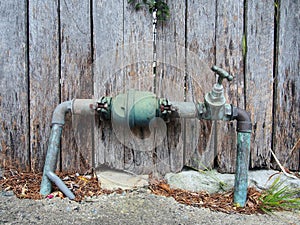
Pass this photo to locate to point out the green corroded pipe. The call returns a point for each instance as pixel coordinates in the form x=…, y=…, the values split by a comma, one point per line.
x=244, y=128
x=58, y=120
x=137, y=109
x=61, y=185
x=242, y=165
x=77, y=106
x=51, y=158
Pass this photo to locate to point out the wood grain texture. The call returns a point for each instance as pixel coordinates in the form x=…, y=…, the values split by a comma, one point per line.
x=170, y=85
x=200, y=39
x=76, y=82
x=14, y=119
x=108, y=79
x=259, y=78
x=54, y=63
x=138, y=75
x=44, y=75
x=287, y=108
x=229, y=35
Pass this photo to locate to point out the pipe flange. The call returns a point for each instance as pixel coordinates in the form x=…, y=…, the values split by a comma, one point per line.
x=103, y=108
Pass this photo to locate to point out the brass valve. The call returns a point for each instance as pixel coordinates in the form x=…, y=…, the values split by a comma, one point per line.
x=222, y=74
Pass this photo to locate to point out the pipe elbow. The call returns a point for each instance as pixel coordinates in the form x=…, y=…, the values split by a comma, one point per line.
x=60, y=112
x=243, y=118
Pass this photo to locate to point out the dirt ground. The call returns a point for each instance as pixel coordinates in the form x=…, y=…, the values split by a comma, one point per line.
x=136, y=207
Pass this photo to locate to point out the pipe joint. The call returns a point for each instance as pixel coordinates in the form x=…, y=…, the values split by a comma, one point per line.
x=83, y=107
x=103, y=107
x=243, y=118
x=60, y=111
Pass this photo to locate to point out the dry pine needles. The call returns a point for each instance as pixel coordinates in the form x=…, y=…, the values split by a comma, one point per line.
x=27, y=185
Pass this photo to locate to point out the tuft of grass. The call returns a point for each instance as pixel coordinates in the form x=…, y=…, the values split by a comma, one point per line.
x=209, y=172
x=280, y=197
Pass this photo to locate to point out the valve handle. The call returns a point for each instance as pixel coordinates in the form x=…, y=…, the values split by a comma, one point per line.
x=222, y=74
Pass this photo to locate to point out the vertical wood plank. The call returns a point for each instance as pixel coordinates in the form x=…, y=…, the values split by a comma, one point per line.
x=287, y=108
x=30, y=92
x=108, y=80
x=170, y=85
x=199, y=147
x=14, y=125
x=138, y=76
x=44, y=75
x=76, y=82
x=259, y=78
x=229, y=35
x=136, y=63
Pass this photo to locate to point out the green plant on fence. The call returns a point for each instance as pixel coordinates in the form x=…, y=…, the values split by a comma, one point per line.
x=163, y=11
x=280, y=197
x=244, y=46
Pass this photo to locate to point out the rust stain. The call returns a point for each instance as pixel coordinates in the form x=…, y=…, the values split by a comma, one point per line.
x=5, y=147
x=194, y=46
x=132, y=71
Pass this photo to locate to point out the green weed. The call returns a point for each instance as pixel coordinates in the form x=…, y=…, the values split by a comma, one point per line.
x=163, y=11
x=280, y=197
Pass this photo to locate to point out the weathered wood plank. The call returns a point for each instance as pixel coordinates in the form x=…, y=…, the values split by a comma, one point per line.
x=287, y=108
x=229, y=35
x=138, y=76
x=123, y=36
x=108, y=79
x=44, y=75
x=199, y=146
x=76, y=82
x=14, y=116
x=171, y=82
x=136, y=63
x=259, y=78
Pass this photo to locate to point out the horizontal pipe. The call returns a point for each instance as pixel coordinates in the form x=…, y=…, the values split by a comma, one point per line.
x=184, y=110
x=60, y=184
x=179, y=110
x=83, y=107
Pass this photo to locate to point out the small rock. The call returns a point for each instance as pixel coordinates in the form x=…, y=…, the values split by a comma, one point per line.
x=113, y=180
x=212, y=181
x=263, y=179
x=209, y=181
x=7, y=193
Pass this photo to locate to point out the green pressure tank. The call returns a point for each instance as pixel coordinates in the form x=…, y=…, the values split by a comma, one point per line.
x=134, y=108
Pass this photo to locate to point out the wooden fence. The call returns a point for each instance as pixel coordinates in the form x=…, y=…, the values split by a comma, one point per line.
x=57, y=50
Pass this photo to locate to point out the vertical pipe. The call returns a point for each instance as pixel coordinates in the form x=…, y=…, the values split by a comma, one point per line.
x=79, y=106
x=242, y=165
x=51, y=158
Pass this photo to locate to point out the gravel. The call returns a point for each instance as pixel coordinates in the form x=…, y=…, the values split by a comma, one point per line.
x=136, y=207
